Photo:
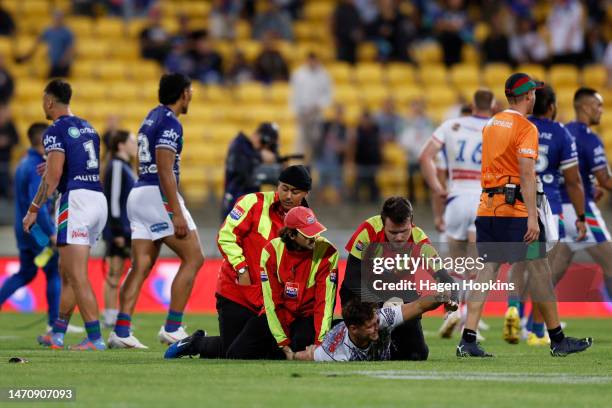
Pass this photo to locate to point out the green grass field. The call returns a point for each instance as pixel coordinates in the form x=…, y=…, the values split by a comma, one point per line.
x=518, y=375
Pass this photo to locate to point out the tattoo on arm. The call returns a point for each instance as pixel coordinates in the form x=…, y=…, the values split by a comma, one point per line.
x=42, y=193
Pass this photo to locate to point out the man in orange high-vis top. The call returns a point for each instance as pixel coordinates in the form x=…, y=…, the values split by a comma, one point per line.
x=508, y=228
x=299, y=271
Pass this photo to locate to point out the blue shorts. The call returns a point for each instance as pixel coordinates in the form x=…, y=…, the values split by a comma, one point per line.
x=500, y=239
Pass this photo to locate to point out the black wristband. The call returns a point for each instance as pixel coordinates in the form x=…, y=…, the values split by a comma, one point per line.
x=581, y=218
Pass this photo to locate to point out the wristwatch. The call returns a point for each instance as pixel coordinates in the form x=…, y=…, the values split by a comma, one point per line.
x=242, y=271
x=580, y=217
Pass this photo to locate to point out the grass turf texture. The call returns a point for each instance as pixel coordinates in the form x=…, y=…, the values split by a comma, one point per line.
x=519, y=375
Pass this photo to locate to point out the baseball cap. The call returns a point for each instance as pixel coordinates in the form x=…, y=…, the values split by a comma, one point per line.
x=521, y=83
x=304, y=220
x=268, y=131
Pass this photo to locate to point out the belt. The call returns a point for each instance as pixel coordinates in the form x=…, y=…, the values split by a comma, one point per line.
x=502, y=190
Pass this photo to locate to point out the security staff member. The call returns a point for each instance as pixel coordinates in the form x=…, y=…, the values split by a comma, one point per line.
x=245, y=154
x=508, y=228
x=393, y=227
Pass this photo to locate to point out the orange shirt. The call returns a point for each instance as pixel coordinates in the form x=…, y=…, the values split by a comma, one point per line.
x=506, y=137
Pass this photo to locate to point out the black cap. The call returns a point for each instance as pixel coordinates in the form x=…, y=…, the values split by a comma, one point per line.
x=520, y=83
x=268, y=132
x=298, y=176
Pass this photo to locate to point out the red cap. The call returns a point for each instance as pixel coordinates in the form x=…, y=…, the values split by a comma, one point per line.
x=304, y=220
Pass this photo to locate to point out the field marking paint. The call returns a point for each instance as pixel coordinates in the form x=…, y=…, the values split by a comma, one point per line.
x=547, y=378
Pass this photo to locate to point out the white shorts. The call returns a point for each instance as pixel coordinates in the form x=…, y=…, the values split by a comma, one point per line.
x=81, y=217
x=460, y=215
x=597, y=231
x=149, y=218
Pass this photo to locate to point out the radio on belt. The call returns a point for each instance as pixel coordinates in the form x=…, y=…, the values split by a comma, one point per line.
x=510, y=193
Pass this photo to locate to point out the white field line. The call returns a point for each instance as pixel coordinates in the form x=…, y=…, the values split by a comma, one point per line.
x=548, y=378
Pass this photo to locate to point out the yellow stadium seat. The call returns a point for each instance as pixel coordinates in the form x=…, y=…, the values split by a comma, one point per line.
x=142, y=70
x=433, y=74
x=440, y=96
x=250, y=48
x=481, y=31
x=111, y=70
x=84, y=69
x=90, y=48
x=123, y=91
x=251, y=92
x=81, y=26
x=318, y=11
x=369, y=73
x=278, y=93
x=465, y=75
x=565, y=97
x=594, y=76
x=29, y=90
x=469, y=54
x=563, y=76
x=340, y=72
x=107, y=28
x=536, y=71
x=89, y=90
x=346, y=94
x=400, y=74
x=405, y=94
x=35, y=7
x=5, y=46
x=373, y=96
x=430, y=52
x=495, y=75
x=136, y=26
x=367, y=52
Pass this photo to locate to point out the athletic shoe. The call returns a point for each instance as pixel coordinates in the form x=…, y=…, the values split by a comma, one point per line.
x=116, y=342
x=185, y=347
x=524, y=332
x=52, y=340
x=171, y=337
x=71, y=329
x=465, y=349
x=449, y=324
x=512, y=326
x=569, y=345
x=534, y=340
x=88, y=345
x=483, y=326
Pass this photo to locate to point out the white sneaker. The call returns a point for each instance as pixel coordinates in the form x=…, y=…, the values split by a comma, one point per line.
x=171, y=337
x=482, y=325
x=449, y=325
x=70, y=329
x=479, y=337
x=117, y=342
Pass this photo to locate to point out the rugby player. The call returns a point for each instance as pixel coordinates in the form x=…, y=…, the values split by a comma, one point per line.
x=73, y=168
x=508, y=228
x=157, y=215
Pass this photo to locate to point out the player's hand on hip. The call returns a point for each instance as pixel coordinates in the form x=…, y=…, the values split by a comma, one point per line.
x=582, y=231
x=28, y=221
x=533, y=230
x=180, y=225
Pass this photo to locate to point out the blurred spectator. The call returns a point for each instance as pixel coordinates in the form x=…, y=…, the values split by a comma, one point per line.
x=178, y=59
x=565, y=25
x=527, y=45
x=311, y=93
x=596, y=11
x=270, y=66
x=607, y=61
x=274, y=20
x=329, y=151
x=207, y=62
x=292, y=7
x=85, y=7
x=347, y=30
x=222, y=19
x=453, y=30
x=7, y=24
x=367, y=145
x=240, y=70
x=154, y=39
x=60, y=46
x=8, y=139
x=7, y=85
x=389, y=121
x=419, y=127
x=392, y=31
x=496, y=47
x=184, y=33
x=595, y=46
x=368, y=13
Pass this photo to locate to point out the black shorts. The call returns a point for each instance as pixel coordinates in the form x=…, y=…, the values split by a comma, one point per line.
x=500, y=239
x=113, y=250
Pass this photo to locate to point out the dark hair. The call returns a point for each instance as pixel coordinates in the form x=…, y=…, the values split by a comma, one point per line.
x=171, y=87
x=397, y=209
x=116, y=138
x=582, y=93
x=357, y=313
x=286, y=235
x=60, y=90
x=545, y=97
x=483, y=99
x=35, y=132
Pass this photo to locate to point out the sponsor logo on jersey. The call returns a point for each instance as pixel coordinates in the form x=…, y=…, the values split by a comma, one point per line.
x=73, y=132
x=292, y=289
x=263, y=276
x=159, y=227
x=333, y=277
x=151, y=169
x=548, y=178
x=236, y=213
x=79, y=233
x=50, y=140
x=337, y=340
x=147, y=122
x=359, y=246
x=87, y=177
x=501, y=123
x=170, y=134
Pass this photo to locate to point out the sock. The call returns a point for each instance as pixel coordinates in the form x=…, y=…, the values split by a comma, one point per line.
x=469, y=336
x=93, y=330
x=556, y=335
x=530, y=323
x=538, y=329
x=60, y=326
x=521, y=309
x=122, y=326
x=110, y=316
x=514, y=301
x=173, y=321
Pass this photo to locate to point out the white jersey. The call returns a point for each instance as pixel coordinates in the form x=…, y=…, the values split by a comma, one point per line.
x=461, y=139
x=337, y=345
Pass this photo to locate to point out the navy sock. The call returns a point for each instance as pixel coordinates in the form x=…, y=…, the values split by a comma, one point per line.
x=93, y=330
x=469, y=336
x=123, y=324
x=521, y=309
x=556, y=334
x=173, y=321
x=530, y=323
x=538, y=329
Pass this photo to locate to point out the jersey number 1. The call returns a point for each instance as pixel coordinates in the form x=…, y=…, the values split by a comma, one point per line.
x=92, y=161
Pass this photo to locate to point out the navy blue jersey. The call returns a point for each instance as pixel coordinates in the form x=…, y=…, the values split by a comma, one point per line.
x=118, y=182
x=80, y=143
x=557, y=152
x=591, y=157
x=160, y=130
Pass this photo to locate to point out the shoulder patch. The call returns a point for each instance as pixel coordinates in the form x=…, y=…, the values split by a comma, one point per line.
x=236, y=213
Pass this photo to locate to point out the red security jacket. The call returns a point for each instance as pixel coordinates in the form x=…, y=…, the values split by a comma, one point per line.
x=255, y=219
x=299, y=284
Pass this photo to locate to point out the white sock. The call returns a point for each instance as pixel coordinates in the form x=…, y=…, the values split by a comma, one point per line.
x=110, y=316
